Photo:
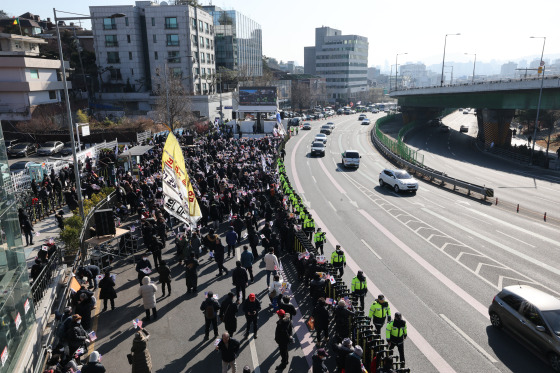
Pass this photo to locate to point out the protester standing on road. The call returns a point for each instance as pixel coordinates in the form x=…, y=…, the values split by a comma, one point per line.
x=210, y=308
x=342, y=350
x=143, y=267
x=282, y=336
x=240, y=281
x=271, y=265
x=182, y=247
x=107, y=290
x=228, y=347
x=156, y=247
x=359, y=287
x=342, y=320
x=148, y=292
x=251, y=308
x=231, y=240
x=219, y=257
x=228, y=314
x=141, y=359
x=164, y=277
x=321, y=316
x=247, y=260
x=191, y=273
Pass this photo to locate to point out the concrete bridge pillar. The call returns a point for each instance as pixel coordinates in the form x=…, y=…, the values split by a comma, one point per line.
x=493, y=126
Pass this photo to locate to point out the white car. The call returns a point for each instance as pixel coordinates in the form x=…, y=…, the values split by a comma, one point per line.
x=50, y=148
x=351, y=158
x=321, y=137
x=306, y=126
x=331, y=125
x=399, y=180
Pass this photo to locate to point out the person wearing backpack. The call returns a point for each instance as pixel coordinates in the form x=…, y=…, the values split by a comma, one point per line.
x=210, y=308
x=282, y=336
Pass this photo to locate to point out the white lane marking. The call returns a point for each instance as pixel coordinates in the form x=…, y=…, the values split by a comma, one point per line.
x=547, y=200
x=495, y=243
x=331, y=178
x=419, y=341
x=370, y=249
x=517, y=239
x=549, y=240
x=469, y=299
x=332, y=206
x=314, y=180
x=254, y=357
x=469, y=339
x=463, y=202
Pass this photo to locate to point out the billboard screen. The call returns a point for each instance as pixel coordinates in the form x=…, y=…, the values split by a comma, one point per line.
x=257, y=96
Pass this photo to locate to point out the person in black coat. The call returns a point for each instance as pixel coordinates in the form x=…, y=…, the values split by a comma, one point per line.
x=319, y=361
x=164, y=277
x=219, y=257
x=210, y=308
x=156, y=248
x=107, y=290
x=229, y=349
x=240, y=280
x=191, y=273
x=26, y=227
x=354, y=361
x=228, y=314
x=142, y=265
x=283, y=336
x=36, y=269
x=342, y=320
x=76, y=334
x=317, y=288
x=91, y=272
x=321, y=316
x=83, y=308
x=285, y=305
x=94, y=365
x=251, y=308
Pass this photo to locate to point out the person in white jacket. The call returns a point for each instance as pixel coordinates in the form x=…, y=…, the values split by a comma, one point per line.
x=274, y=290
x=148, y=293
x=271, y=262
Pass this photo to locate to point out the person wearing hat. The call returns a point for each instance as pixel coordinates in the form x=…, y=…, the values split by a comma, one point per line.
x=251, y=308
x=107, y=292
x=338, y=260
x=379, y=311
x=353, y=362
x=342, y=319
x=342, y=350
x=94, y=365
x=359, y=287
x=319, y=361
x=283, y=336
x=396, y=334
x=320, y=240
x=76, y=335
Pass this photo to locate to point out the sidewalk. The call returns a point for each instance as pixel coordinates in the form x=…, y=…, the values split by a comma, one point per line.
x=176, y=338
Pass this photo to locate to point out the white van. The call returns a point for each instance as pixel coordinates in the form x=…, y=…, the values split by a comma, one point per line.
x=351, y=158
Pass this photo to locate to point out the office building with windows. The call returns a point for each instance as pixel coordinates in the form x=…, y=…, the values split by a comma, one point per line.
x=134, y=51
x=342, y=60
x=238, y=41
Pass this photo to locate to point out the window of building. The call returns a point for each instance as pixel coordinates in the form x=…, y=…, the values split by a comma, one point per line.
x=200, y=26
x=126, y=21
x=172, y=40
x=203, y=71
x=154, y=38
x=109, y=24
x=52, y=95
x=212, y=58
x=193, y=23
x=153, y=21
x=207, y=43
x=201, y=59
x=206, y=29
x=204, y=87
x=111, y=41
x=115, y=74
x=176, y=71
x=195, y=40
x=131, y=71
x=171, y=23
x=130, y=55
x=197, y=71
x=113, y=57
x=211, y=44
x=201, y=42
x=128, y=38
x=208, y=57
x=34, y=73
x=173, y=57
x=155, y=55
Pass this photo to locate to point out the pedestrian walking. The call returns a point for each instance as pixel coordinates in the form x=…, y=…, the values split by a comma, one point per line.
x=182, y=247
x=195, y=244
x=321, y=316
x=210, y=307
x=251, y=308
x=219, y=257
x=107, y=290
x=319, y=238
x=94, y=365
x=247, y=260
x=26, y=227
x=141, y=359
x=240, y=281
x=342, y=319
x=164, y=277
x=396, y=334
x=319, y=361
x=231, y=240
x=228, y=314
x=288, y=307
x=359, y=287
x=275, y=291
x=353, y=362
x=271, y=265
x=156, y=248
x=379, y=311
x=338, y=260
x=283, y=336
x=191, y=273
x=148, y=292
x=229, y=348
x=143, y=267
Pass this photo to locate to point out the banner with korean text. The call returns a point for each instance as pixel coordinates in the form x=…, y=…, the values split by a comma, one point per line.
x=178, y=194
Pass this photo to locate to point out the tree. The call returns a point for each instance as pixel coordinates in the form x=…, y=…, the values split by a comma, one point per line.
x=173, y=106
x=3, y=14
x=300, y=95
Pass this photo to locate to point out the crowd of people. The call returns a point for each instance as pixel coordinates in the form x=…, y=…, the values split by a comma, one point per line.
x=247, y=203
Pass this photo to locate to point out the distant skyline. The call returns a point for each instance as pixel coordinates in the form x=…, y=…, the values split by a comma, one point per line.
x=495, y=30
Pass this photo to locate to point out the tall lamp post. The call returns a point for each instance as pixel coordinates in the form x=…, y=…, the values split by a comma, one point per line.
x=443, y=63
x=67, y=99
x=474, y=64
x=540, y=96
x=397, y=64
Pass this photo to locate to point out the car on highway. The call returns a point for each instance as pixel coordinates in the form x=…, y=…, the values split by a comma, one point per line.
x=532, y=316
x=464, y=128
x=325, y=129
x=21, y=166
x=10, y=143
x=306, y=126
x=351, y=158
x=362, y=117
x=331, y=125
x=466, y=111
x=317, y=148
x=366, y=122
x=67, y=149
x=50, y=148
x=347, y=112
x=22, y=149
x=321, y=137
x=399, y=180
x=375, y=111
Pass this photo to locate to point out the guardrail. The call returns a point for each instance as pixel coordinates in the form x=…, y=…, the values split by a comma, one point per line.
x=43, y=281
x=427, y=172
x=398, y=146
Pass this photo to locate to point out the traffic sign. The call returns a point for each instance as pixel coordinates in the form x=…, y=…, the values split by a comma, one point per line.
x=542, y=63
x=228, y=107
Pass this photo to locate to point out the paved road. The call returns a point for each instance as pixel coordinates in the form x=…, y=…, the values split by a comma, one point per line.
x=438, y=257
x=455, y=153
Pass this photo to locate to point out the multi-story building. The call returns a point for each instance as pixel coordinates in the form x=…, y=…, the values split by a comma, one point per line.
x=342, y=60
x=508, y=69
x=25, y=80
x=238, y=41
x=135, y=51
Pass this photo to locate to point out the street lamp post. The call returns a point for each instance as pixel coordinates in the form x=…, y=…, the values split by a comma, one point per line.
x=474, y=64
x=67, y=99
x=397, y=64
x=540, y=96
x=443, y=63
